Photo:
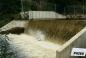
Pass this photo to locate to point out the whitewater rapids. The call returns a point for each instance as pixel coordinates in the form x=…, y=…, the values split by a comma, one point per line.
x=28, y=46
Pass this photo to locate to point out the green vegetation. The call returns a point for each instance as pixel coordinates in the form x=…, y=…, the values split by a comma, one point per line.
x=57, y=30
x=53, y=5
x=8, y=10
x=5, y=49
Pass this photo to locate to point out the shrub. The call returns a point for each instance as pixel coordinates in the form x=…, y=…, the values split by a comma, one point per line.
x=5, y=50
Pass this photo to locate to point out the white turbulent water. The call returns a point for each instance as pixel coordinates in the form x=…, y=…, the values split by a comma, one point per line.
x=29, y=47
x=39, y=35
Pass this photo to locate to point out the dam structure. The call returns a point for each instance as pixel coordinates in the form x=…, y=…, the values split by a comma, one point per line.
x=45, y=38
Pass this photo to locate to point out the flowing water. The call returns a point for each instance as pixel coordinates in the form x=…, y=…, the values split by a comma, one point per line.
x=39, y=35
x=27, y=46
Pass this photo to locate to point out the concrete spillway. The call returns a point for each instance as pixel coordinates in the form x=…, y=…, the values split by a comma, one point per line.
x=35, y=45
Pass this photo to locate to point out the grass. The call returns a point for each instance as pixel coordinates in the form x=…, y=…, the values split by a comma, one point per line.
x=57, y=30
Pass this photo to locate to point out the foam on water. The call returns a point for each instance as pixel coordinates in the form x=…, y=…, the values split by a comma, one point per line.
x=29, y=47
x=39, y=35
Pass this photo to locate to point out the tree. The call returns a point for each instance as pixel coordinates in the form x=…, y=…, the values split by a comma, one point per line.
x=8, y=10
x=10, y=6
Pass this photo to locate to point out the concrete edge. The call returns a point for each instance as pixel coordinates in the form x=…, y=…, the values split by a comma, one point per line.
x=75, y=37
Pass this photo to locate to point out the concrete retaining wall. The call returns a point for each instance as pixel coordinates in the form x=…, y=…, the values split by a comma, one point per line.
x=78, y=41
x=14, y=23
